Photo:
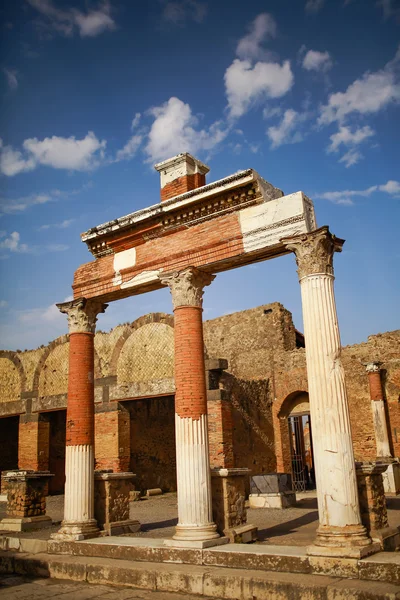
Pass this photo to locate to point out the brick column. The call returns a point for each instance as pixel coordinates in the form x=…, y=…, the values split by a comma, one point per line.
x=79, y=522
x=378, y=409
x=340, y=531
x=195, y=521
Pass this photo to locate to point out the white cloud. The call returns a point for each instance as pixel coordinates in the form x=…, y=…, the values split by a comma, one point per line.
x=174, y=131
x=349, y=138
x=367, y=95
x=345, y=197
x=350, y=158
x=9, y=206
x=178, y=13
x=245, y=85
x=285, y=132
x=50, y=314
x=12, y=243
x=66, y=153
x=317, y=61
x=389, y=9
x=3, y=304
x=57, y=152
x=12, y=162
x=135, y=121
x=12, y=80
x=130, y=148
x=67, y=22
x=314, y=6
x=390, y=187
x=62, y=225
x=261, y=29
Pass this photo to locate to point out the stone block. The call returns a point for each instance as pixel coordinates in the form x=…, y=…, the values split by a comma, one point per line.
x=277, y=500
x=391, y=479
x=111, y=503
x=228, y=499
x=26, y=500
x=271, y=483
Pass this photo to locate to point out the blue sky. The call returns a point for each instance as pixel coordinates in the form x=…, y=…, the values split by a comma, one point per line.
x=93, y=94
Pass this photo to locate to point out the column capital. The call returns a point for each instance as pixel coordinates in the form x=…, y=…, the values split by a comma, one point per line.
x=187, y=286
x=82, y=314
x=373, y=366
x=314, y=251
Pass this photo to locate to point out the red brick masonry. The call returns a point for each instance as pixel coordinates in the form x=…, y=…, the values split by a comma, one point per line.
x=80, y=408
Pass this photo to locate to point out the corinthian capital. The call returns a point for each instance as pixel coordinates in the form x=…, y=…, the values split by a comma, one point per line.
x=373, y=366
x=314, y=251
x=82, y=314
x=187, y=287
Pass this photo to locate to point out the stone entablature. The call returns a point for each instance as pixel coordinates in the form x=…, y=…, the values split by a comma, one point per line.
x=215, y=227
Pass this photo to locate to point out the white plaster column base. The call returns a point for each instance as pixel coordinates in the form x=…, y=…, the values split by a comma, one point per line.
x=79, y=522
x=380, y=426
x=25, y=523
x=391, y=479
x=272, y=500
x=197, y=544
x=193, y=480
x=75, y=531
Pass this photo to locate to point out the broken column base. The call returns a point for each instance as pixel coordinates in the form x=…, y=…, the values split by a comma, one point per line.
x=228, y=498
x=271, y=490
x=25, y=523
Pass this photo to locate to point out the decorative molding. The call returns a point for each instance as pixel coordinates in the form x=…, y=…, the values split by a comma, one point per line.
x=314, y=251
x=82, y=314
x=187, y=287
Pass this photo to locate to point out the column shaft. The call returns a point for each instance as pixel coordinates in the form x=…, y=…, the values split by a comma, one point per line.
x=195, y=521
x=79, y=463
x=79, y=521
x=338, y=507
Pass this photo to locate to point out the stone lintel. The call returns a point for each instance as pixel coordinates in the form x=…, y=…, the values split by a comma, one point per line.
x=216, y=364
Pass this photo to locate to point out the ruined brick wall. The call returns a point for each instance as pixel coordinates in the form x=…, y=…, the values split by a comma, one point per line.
x=153, y=443
x=265, y=372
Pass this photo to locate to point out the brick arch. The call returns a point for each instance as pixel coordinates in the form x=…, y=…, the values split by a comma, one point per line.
x=280, y=413
x=64, y=339
x=131, y=328
x=13, y=357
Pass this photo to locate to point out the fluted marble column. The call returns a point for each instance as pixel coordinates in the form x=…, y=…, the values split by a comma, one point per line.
x=79, y=522
x=378, y=410
x=338, y=506
x=195, y=522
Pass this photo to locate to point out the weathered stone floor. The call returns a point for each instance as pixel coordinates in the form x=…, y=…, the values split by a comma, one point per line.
x=16, y=587
x=158, y=516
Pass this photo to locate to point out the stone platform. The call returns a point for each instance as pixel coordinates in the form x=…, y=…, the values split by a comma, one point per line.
x=233, y=571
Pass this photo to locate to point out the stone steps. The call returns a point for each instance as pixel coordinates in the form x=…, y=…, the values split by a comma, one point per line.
x=384, y=566
x=202, y=580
